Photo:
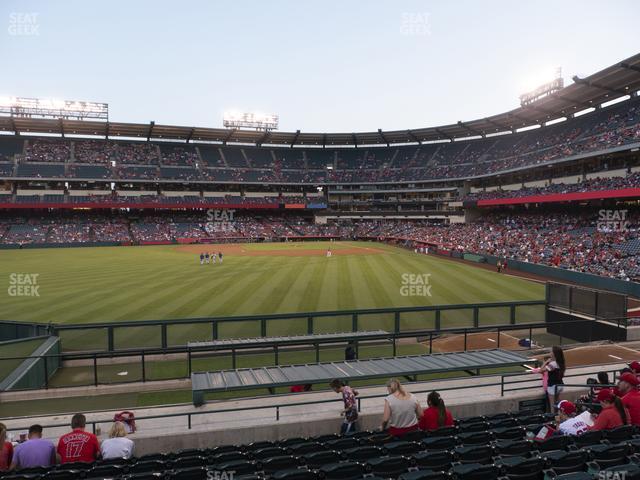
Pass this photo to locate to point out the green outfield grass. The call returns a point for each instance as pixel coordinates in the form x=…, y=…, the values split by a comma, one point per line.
x=84, y=285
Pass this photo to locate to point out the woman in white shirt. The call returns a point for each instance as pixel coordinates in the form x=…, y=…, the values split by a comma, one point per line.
x=117, y=445
x=401, y=410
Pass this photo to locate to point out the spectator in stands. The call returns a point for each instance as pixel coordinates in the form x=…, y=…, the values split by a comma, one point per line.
x=6, y=449
x=603, y=379
x=568, y=423
x=300, y=388
x=628, y=388
x=350, y=412
x=401, y=410
x=613, y=413
x=350, y=352
x=436, y=415
x=35, y=452
x=635, y=367
x=78, y=445
x=555, y=366
x=117, y=445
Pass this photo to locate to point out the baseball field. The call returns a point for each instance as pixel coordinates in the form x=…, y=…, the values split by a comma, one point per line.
x=113, y=284
x=105, y=284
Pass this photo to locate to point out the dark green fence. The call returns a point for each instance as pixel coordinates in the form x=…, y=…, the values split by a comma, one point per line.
x=111, y=337
x=144, y=365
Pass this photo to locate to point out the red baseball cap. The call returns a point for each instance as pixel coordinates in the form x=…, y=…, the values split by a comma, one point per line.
x=635, y=366
x=566, y=407
x=630, y=378
x=605, y=395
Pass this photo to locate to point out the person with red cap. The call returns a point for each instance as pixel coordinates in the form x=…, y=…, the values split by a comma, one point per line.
x=635, y=367
x=568, y=423
x=628, y=387
x=613, y=413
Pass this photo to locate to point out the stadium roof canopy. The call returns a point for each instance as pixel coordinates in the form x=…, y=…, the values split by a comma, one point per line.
x=620, y=79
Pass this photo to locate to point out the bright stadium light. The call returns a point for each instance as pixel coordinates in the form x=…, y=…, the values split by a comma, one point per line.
x=47, y=107
x=257, y=120
x=542, y=85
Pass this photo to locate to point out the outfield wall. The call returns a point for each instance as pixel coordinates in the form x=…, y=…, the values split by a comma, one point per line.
x=580, y=278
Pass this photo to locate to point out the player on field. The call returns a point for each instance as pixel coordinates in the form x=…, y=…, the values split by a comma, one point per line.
x=220, y=256
x=213, y=257
x=206, y=257
x=201, y=258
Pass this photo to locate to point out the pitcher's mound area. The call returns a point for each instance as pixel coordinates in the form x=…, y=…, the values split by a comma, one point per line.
x=245, y=251
x=475, y=341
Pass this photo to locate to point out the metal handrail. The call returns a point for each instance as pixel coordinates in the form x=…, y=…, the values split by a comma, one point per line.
x=277, y=408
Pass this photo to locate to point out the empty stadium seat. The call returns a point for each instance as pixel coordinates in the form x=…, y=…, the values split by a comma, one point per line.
x=522, y=468
x=474, y=454
x=475, y=471
x=388, y=467
x=562, y=461
x=343, y=471
x=440, y=460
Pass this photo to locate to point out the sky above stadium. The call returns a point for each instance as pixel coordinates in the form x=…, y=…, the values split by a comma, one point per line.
x=336, y=66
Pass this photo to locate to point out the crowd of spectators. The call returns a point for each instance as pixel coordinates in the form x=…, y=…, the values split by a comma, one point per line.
x=632, y=180
x=583, y=242
x=588, y=241
x=600, y=130
x=47, y=150
x=76, y=446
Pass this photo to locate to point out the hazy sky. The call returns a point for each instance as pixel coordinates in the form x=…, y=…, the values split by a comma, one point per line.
x=322, y=66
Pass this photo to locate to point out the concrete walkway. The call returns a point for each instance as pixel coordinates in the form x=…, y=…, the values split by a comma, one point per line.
x=213, y=424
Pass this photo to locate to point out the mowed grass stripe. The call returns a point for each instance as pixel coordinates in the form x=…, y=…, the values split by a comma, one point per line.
x=311, y=299
x=379, y=293
x=288, y=288
x=79, y=300
x=131, y=301
x=130, y=283
x=345, y=294
x=363, y=296
x=270, y=294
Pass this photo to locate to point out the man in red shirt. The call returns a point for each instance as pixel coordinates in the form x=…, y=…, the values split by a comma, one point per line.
x=78, y=445
x=628, y=387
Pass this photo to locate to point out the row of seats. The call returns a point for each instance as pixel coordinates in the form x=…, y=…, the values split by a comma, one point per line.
x=466, y=451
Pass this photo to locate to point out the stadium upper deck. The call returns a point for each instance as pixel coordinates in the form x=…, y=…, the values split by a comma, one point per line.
x=461, y=151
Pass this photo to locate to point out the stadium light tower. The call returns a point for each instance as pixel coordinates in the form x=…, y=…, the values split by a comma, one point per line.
x=256, y=120
x=49, y=108
x=540, y=90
